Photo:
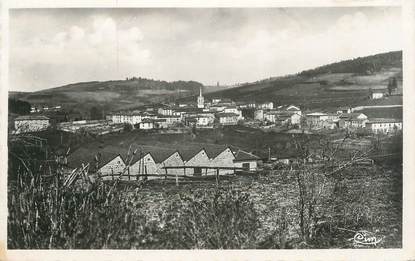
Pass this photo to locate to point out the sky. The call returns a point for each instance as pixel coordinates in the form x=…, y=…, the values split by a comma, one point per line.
x=55, y=47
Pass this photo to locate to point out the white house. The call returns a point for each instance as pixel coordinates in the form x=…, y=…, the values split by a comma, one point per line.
x=316, y=119
x=353, y=120
x=31, y=123
x=382, y=125
x=228, y=118
x=216, y=100
x=259, y=115
x=165, y=111
x=146, y=124
x=290, y=108
x=377, y=95
x=266, y=106
x=246, y=160
x=235, y=110
x=127, y=117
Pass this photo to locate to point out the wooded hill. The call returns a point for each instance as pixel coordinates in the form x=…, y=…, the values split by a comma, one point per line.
x=337, y=84
x=111, y=95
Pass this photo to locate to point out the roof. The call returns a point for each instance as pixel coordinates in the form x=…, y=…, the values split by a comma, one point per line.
x=87, y=155
x=351, y=116
x=388, y=113
x=287, y=107
x=317, y=114
x=191, y=119
x=389, y=100
x=227, y=114
x=344, y=108
x=31, y=117
x=243, y=156
x=383, y=120
x=158, y=153
x=146, y=120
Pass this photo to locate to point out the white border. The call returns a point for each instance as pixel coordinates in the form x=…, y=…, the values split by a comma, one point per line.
x=406, y=253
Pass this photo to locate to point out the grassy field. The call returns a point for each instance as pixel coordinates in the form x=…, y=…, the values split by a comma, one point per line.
x=371, y=201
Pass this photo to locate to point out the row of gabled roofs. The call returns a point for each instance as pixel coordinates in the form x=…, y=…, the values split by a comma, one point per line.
x=158, y=153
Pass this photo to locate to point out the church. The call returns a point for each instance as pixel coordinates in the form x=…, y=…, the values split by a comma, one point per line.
x=200, y=100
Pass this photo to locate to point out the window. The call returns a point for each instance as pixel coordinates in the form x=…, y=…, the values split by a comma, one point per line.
x=246, y=166
x=197, y=171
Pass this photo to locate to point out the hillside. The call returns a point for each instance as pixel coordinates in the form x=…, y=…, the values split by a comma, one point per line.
x=338, y=84
x=111, y=95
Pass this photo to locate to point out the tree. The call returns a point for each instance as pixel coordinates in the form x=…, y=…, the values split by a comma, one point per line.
x=19, y=106
x=95, y=113
x=392, y=85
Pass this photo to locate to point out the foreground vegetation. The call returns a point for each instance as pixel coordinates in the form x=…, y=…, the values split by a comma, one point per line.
x=297, y=206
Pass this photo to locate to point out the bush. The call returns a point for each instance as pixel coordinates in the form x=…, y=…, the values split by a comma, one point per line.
x=218, y=219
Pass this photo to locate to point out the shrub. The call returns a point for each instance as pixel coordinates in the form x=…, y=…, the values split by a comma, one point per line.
x=218, y=219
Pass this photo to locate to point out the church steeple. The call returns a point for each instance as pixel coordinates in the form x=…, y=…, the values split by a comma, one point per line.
x=200, y=100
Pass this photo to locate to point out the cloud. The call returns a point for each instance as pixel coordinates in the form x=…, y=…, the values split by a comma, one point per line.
x=206, y=45
x=84, y=53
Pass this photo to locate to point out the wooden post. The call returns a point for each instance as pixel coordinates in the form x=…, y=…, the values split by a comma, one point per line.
x=177, y=180
x=128, y=170
x=217, y=176
x=165, y=177
x=112, y=174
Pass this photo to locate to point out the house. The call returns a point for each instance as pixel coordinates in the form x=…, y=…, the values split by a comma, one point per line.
x=246, y=160
x=165, y=111
x=266, y=106
x=259, y=115
x=316, y=119
x=132, y=118
x=31, y=123
x=353, y=120
x=270, y=116
x=235, y=110
x=288, y=118
x=216, y=100
x=160, y=123
x=384, y=125
x=344, y=109
x=290, y=108
x=146, y=124
x=217, y=108
x=170, y=120
x=228, y=118
x=190, y=121
x=377, y=94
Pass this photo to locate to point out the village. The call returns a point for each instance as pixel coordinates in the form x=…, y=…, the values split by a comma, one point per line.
x=381, y=115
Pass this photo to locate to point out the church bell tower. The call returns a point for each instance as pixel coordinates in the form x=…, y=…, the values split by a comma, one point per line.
x=200, y=100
